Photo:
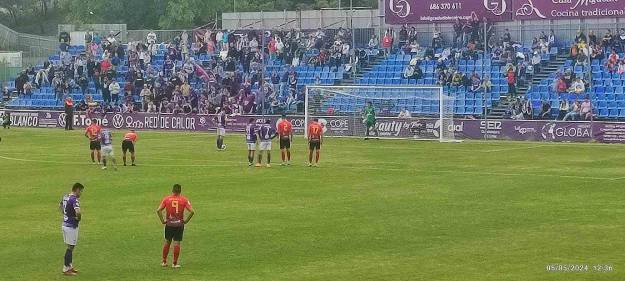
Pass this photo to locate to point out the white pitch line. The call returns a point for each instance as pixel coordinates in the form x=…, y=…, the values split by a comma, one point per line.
x=344, y=167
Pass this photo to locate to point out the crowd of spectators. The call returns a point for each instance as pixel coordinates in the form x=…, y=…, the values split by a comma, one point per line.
x=196, y=72
x=201, y=71
x=470, y=39
x=583, y=51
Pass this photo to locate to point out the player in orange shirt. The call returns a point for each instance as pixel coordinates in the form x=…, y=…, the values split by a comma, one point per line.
x=174, y=204
x=315, y=139
x=128, y=144
x=93, y=134
x=285, y=131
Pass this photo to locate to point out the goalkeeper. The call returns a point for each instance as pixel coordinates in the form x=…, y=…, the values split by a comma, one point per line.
x=369, y=119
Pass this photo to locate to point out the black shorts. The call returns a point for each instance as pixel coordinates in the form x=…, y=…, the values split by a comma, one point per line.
x=285, y=143
x=128, y=146
x=314, y=144
x=174, y=232
x=95, y=145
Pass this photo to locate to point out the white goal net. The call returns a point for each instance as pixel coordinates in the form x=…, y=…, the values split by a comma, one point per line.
x=415, y=112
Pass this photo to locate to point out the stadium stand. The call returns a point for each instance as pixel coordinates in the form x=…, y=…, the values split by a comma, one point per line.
x=198, y=75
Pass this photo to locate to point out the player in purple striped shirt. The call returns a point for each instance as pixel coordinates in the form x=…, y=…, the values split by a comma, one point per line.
x=266, y=133
x=251, y=135
x=70, y=209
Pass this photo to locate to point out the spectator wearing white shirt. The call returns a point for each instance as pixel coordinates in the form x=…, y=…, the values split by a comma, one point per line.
x=404, y=113
x=114, y=88
x=536, y=59
x=253, y=45
x=373, y=42
x=345, y=52
x=578, y=86
x=151, y=38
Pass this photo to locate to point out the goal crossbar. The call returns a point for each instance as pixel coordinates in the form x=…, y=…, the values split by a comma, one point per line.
x=433, y=95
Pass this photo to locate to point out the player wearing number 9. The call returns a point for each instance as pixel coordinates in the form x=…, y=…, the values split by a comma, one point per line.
x=174, y=204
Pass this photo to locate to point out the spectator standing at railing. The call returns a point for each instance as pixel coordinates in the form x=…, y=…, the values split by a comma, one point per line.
x=592, y=38
x=580, y=37
x=150, y=39
x=437, y=41
x=387, y=42
x=412, y=35
x=551, y=39
x=403, y=36
x=506, y=38
x=474, y=27
x=458, y=33
x=373, y=42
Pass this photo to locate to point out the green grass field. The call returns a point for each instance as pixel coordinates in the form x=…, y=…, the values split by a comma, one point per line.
x=374, y=210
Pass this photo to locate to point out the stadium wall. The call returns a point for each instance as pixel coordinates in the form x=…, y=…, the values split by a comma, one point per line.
x=336, y=126
x=522, y=30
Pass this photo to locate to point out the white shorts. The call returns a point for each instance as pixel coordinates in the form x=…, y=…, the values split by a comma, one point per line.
x=107, y=151
x=221, y=131
x=70, y=235
x=265, y=145
x=251, y=146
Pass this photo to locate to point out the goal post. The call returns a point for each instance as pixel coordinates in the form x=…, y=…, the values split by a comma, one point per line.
x=403, y=112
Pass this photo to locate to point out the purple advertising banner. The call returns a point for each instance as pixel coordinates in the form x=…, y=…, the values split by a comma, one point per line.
x=420, y=11
x=567, y=9
x=333, y=126
x=413, y=128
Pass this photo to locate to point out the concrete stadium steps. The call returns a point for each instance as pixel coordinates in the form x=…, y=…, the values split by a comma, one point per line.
x=361, y=72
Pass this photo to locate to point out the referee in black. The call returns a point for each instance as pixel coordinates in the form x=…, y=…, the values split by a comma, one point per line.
x=69, y=114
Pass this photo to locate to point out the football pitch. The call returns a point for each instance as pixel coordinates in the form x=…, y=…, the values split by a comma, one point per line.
x=373, y=210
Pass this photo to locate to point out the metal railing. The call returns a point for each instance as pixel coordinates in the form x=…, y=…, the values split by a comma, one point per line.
x=34, y=48
x=8, y=38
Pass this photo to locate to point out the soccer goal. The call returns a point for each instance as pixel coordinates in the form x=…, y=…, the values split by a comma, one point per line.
x=402, y=112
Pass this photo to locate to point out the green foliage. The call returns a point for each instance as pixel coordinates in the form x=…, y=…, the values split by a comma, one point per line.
x=148, y=14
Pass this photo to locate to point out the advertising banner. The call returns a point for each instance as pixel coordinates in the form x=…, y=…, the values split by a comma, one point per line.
x=419, y=11
x=567, y=9
x=334, y=126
